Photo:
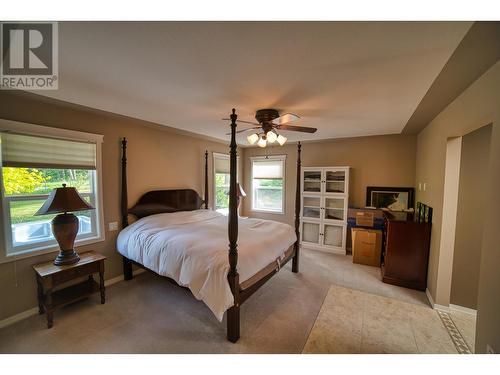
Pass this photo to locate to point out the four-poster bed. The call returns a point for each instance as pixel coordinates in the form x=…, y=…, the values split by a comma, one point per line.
x=167, y=215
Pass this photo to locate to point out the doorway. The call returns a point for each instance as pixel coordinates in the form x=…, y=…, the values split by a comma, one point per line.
x=467, y=163
x=471, y=203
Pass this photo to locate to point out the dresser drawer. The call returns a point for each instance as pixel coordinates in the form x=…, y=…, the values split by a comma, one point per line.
x=74, y=272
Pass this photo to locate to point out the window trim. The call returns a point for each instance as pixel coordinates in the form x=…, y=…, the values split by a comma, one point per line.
x=214, y=188
x=73, y=135
x=269, y=157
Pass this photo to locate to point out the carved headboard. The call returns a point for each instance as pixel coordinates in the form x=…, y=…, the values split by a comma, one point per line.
x=161, y=201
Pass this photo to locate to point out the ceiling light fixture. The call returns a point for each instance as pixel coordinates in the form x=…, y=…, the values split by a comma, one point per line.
x=262, y=141
x=281, y=140
x=271, y=121
x=271, y=136
x=253, y=138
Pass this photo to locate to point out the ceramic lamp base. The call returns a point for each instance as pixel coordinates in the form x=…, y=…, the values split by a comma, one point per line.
x=65, y=228
x=66, y=257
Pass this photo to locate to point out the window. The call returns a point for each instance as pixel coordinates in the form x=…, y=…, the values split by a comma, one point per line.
x=221, y=182
x=32, y=166
x=268, y=189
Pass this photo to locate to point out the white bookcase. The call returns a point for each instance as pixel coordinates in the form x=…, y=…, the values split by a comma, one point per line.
x=323, y=214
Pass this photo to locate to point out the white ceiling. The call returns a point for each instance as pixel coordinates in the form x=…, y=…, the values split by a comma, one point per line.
x=345, y=78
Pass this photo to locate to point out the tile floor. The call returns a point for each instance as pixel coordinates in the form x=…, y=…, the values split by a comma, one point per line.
x=466, y=324
x=351, y=321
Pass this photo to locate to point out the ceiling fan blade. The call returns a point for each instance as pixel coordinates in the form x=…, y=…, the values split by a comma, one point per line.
x=245, y=122
x=285, y=119
x=303, y=129
x=245, y=130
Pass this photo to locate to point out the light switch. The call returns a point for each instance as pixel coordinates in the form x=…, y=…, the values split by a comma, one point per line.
x=419, y=186
x=113, y=226
x=425, y=185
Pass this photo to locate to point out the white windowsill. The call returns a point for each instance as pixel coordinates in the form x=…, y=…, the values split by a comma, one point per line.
x=268, y=212
x=47, y=250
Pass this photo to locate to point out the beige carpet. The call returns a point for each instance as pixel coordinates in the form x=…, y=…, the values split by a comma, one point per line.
x=150, y=315
x=351, y=321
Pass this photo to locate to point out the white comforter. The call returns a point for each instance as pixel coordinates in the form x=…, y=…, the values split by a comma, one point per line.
x=191, y=247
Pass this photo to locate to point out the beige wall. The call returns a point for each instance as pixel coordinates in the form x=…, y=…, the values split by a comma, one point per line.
x=156, y=159
x=474, y=164
x=387, y=160
x=475, y=107
x=160, y=158
x=381, y=160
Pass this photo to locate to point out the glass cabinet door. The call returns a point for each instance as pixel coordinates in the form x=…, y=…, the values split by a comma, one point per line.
x=312, y=181
x=310, y=233
x=333, y=235
x=311, y=207
x=335, y=181
x=334, y=208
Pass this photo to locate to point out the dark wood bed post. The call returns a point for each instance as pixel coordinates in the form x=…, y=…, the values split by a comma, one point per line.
x=233, y=314
x=206, y=179
x=295, y=260
x=127, y=264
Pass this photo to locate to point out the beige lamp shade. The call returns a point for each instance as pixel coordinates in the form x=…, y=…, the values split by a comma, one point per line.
x=64, y=199
x=239, y=191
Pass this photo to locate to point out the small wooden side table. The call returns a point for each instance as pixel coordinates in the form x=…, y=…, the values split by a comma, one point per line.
x=48, y=276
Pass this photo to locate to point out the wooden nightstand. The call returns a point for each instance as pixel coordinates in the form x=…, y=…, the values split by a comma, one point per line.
x=48, y=276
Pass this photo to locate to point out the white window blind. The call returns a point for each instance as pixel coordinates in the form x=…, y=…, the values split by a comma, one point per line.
x=221, y=164
x=268, y=188
x=268, y=169
x=40, y=152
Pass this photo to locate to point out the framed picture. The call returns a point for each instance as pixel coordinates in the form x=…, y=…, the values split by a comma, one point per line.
x=393, y=198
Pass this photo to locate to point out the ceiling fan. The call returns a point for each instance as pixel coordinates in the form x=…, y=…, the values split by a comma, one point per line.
x=268, y=123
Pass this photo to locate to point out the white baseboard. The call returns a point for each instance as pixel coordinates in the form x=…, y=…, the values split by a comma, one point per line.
x=441, y=307
x=16, y=318
x=34, y=310
x=429, y=297
x=119, y=278
x=449, y=308
x=435, y=305
x=463, y=309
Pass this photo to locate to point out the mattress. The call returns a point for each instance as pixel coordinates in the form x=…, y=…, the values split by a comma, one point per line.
x=191, y=247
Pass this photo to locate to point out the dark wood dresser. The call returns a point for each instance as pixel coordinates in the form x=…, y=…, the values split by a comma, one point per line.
x=405, y=255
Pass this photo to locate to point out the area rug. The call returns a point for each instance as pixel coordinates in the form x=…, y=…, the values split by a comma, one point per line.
x=351, y=321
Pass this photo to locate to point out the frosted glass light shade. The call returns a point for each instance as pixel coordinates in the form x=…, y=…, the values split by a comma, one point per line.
x=252, y=138
x=262, y=142
x=271, y=136
x=281, y=140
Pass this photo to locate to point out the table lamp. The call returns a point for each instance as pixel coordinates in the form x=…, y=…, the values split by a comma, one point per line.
x=240, y=193
x=63, y=201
